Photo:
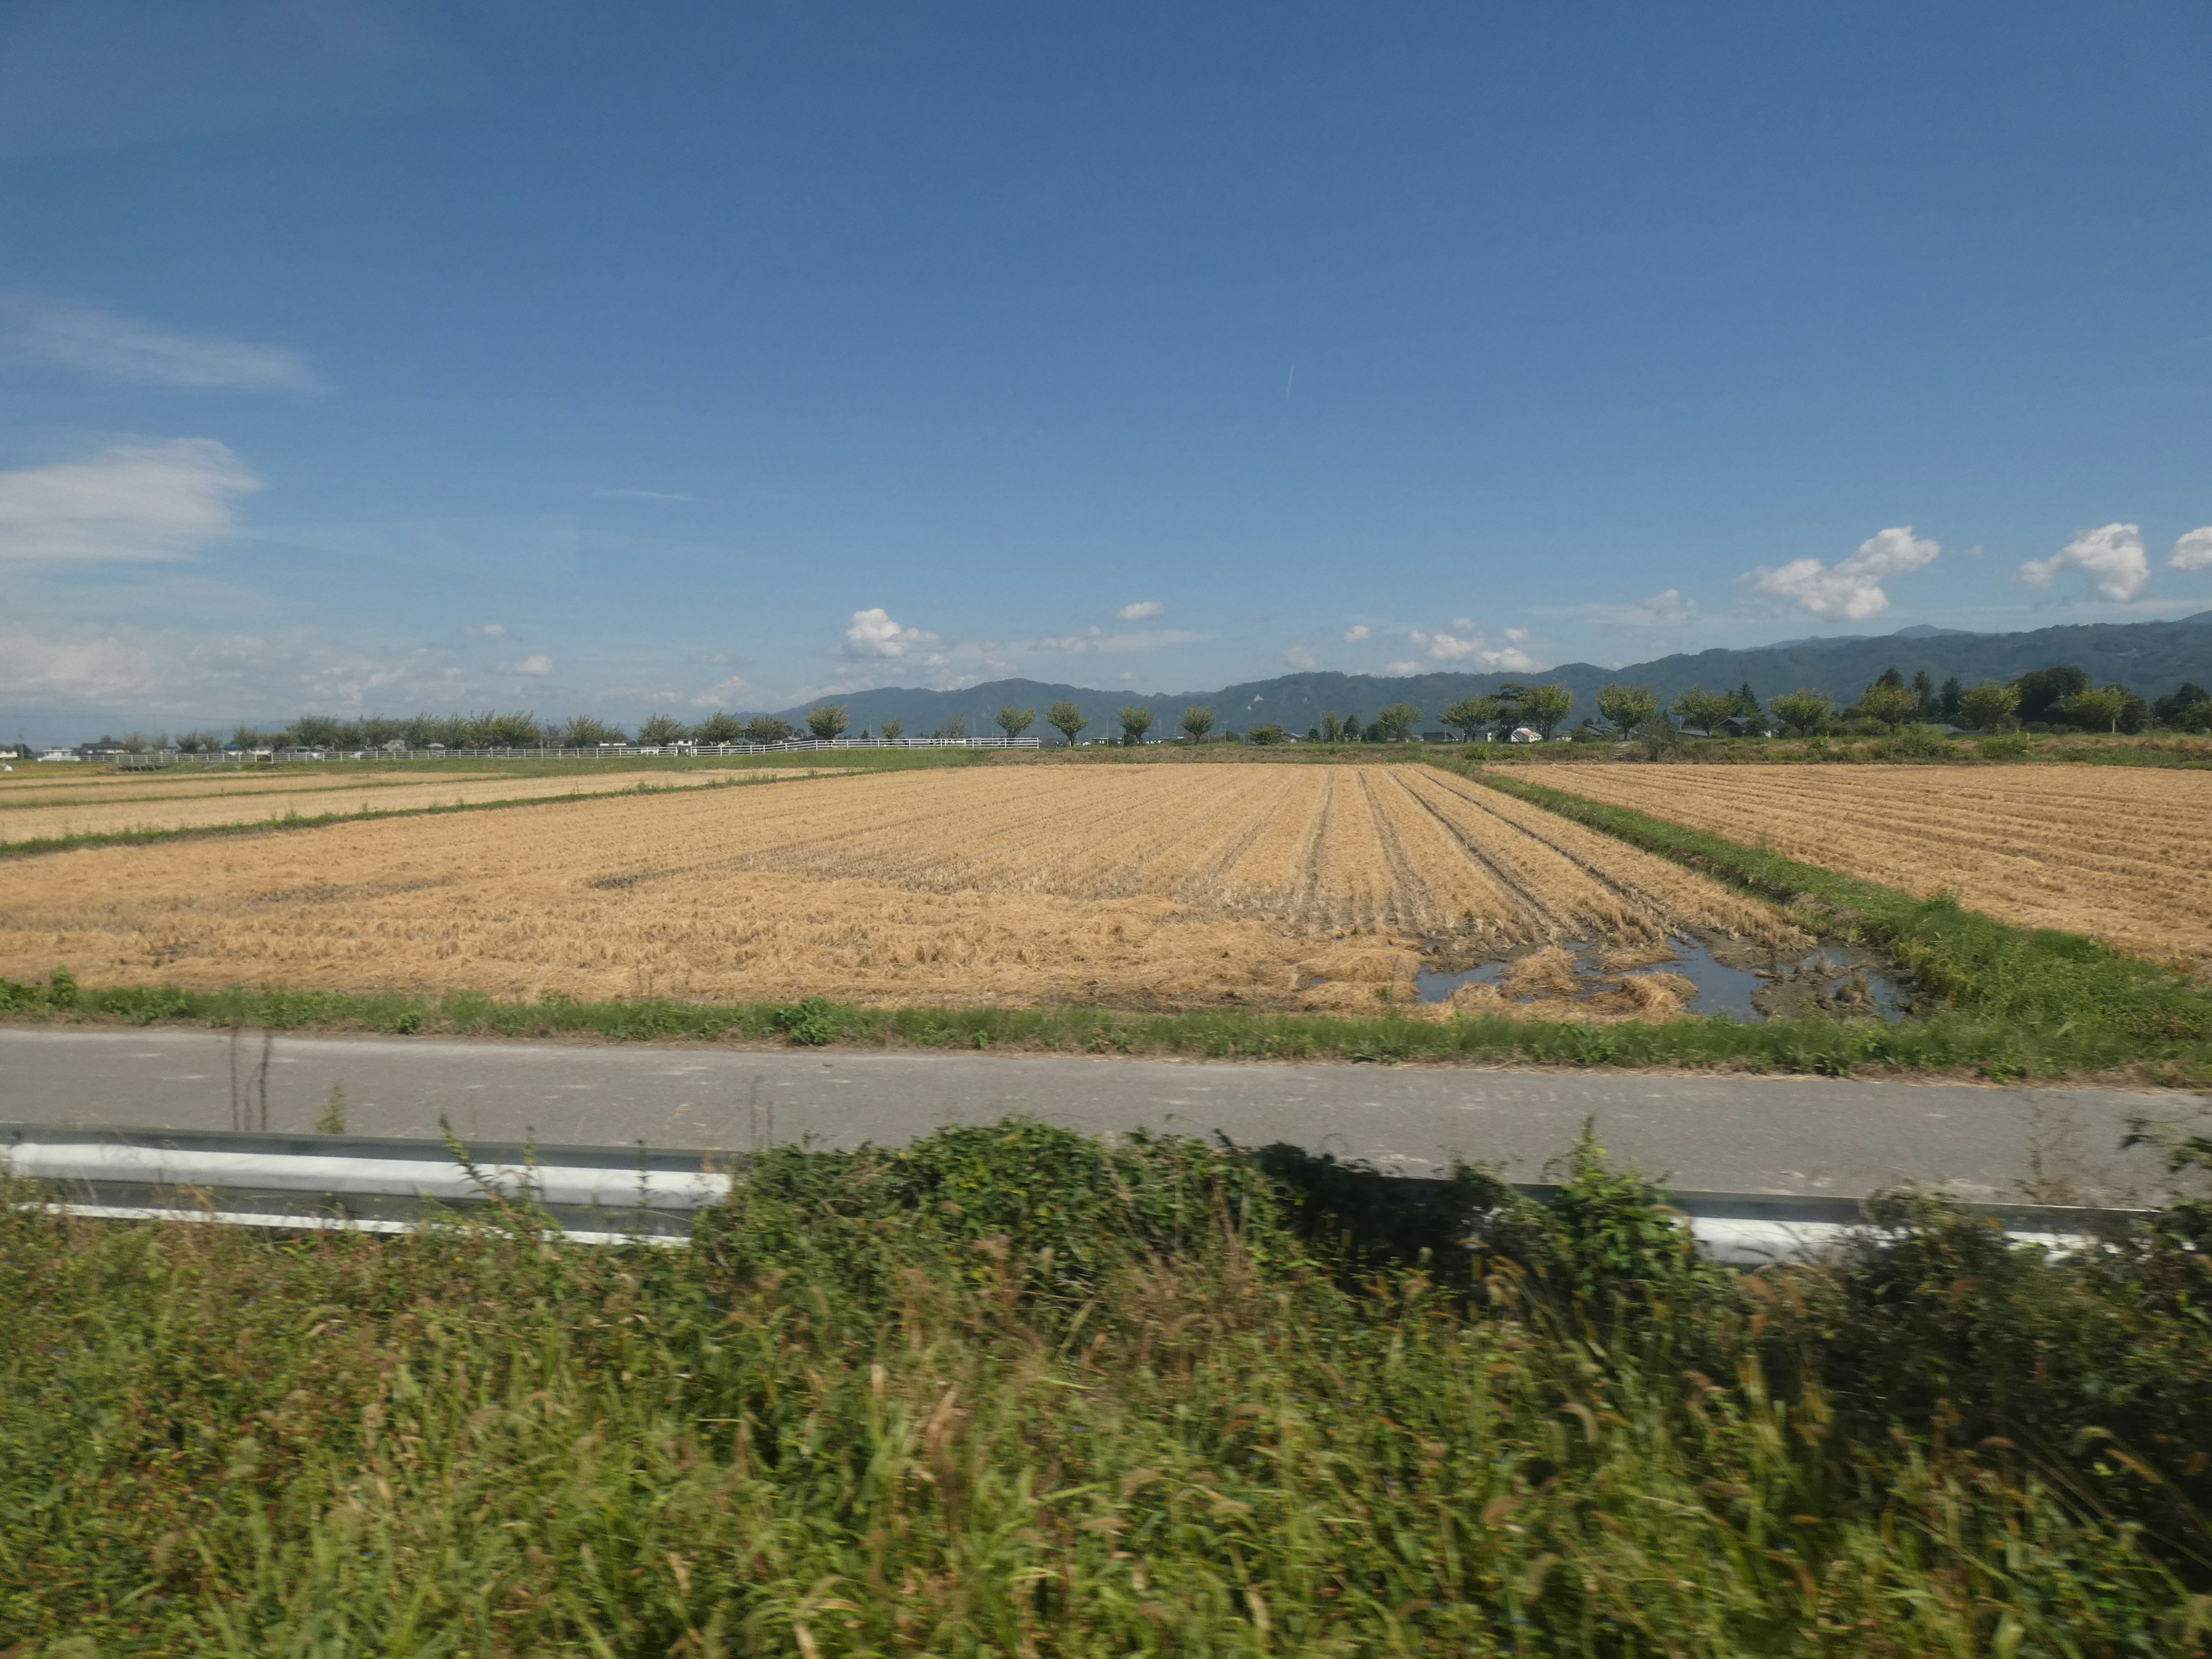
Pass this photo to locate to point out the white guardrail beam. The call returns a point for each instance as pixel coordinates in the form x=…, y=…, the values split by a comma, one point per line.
x=606, y=1194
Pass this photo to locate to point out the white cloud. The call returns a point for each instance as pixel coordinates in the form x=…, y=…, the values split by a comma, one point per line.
x=1666, y=607
x=537, y=666
x=1301, y=656
x=492, y=630
x=1092, y=639
x=1517, y=636
x=873, y=633
x=99, y=342
x=1143, y=610
x=1400, y=669
x=1357, y=632
x=1852, y=589
x=2113, y=557
x=2194, y=550
x=736, y=689
x=1452, y=648
x=134, y=501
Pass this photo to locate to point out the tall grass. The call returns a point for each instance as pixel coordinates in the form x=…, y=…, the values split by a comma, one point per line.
x=1009, y=1391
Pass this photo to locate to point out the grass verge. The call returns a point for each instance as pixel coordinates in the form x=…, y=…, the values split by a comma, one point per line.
x=1012, y=1391
x=1946, y=1043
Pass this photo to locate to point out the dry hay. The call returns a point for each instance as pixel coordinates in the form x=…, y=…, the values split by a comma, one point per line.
x=1282, y=885
x=46, y=786
x=319, y=793
x=2121, y=853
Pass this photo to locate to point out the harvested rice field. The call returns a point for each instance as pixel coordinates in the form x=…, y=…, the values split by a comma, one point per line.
x=236, y=800
x=1271, y=885
x=2121, y=855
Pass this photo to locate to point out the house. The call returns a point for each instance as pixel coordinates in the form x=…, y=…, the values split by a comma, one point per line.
x=1526, y=734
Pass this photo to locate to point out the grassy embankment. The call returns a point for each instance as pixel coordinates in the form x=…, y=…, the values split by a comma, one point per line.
x=1011, y=1391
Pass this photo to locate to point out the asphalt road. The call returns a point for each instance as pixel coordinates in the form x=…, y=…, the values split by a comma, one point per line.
x=1804, y=1135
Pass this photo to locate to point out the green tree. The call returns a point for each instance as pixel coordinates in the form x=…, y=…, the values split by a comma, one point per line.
x=2042, y=689
x=583, y=732
x=1398, y=721
x=1889, y=679
x=768, y=728
x=955, y=729
x=1197, y=721
x=1014, y=721
x=2097, y=709
x=1136, y=720
x=1702, y=709
x=2173, y=709
x=1947, y=700
x=1471, y=716
x=1265, y=735
x=198, y=743
x=1893, y=705
x=662, y=729
x=1990, y=705
x=1805, y=711
x=1069, y=719
x=894, y=729
x=1545, y=706
x=827, y=721
x=1628, y=707
x=1927, y=701
x=719, y=727
x=1332, y=729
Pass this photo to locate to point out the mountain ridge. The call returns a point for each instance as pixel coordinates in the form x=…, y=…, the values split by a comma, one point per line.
x=2153, y=658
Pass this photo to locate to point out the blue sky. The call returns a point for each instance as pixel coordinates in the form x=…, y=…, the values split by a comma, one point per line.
x=610, y=358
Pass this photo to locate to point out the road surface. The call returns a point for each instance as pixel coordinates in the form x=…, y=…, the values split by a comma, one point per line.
x=1799, y=1135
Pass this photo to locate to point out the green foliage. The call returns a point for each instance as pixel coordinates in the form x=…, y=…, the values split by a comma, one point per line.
x=2042, y=689
x=1544, y=706
x=893, y=729
x=1197, y=721
x=1398, y=722
x=1013, y=1390
x=1334, y=729
x=769, y=728
x=1136, y=720
x=809, y=1023
x=827, y=721
x=2188, y=709
x=1805, y=712
x=1703, y=710
x=1891, y=705
x=1470, y=716
x=1989, y=706
x=1014, y=721
x=1918, y=742
x=662, y=729
x=2006, y=746
x=1628, y=707
x=1265, y=736
x=1068, y=719
x=583, y=732
x=720, y=728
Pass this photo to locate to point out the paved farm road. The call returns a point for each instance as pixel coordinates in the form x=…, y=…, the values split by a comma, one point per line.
x=1716, y=1133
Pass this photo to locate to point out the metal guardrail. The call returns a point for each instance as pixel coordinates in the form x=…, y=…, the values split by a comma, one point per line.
x=608, y=1194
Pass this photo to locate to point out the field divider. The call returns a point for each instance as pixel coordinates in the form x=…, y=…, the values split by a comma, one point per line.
x=611, y=1195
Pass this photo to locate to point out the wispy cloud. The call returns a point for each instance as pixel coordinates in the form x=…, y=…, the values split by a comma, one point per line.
x=1474, y=648
x=1851, y=591
x=1302, y=656
x=1357, y=633
x=2112, y=555
x=538, y=666
x=111, y=347
x=1143, y=610
x=133, y=501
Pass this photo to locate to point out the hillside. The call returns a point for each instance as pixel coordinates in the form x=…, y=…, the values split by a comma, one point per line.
x=2152, y=657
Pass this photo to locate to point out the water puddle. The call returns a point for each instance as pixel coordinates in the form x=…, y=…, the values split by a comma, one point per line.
x=1836, y=979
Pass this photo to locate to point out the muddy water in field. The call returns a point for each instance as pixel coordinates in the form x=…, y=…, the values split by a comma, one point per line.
x=1752, y=984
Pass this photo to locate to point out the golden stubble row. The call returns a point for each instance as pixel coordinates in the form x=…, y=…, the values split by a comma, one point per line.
x=317, y=796
x=1286, y=885
x=2121, y=853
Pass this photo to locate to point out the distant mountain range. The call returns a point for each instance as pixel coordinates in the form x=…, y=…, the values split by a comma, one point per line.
x=2151, y=657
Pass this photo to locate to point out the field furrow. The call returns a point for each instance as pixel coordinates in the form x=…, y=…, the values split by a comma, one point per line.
x=2121, y=855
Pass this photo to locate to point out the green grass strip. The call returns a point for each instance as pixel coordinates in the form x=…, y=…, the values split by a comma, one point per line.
x=2063, y=993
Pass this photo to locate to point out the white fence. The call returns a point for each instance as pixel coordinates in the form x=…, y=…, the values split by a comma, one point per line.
x=616, y=751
